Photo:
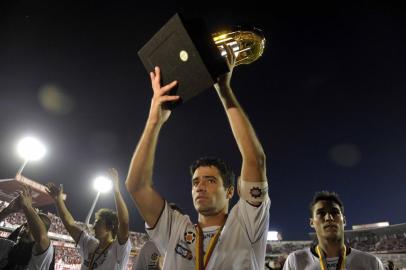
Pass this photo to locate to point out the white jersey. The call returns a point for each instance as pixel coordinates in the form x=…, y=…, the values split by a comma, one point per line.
x=37, y=262
x=148, y=258
x=307, y=259
x=114, y=258
x=241, y=244
x=41, y=261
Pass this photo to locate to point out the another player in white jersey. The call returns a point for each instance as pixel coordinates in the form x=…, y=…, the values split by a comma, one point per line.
x=331, y=253
x=148, y=258
x=29, y=246
x=220, y=239
x=110, y=247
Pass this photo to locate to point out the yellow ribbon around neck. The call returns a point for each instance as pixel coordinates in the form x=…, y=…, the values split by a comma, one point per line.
x=201, y=263
x=341, y=260
x=92, y=260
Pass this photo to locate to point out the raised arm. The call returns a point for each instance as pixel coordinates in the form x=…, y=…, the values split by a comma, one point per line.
x=139, y=179
x=122, y=211
x=56, y=193
x=35, y=223
x=253, y=157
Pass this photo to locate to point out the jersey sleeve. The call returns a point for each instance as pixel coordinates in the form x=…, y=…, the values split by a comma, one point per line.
x=86, y=244
x=123, y=251
x=290, y=262
x=255, y=219
x=168, y=223
x=42, y=261
x=379, y=264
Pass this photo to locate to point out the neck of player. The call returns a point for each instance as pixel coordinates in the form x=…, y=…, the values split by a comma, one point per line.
x=212, y=220
x=105, y=241
x=331, y=247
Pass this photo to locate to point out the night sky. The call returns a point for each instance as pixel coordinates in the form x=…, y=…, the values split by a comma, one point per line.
x=327, y=100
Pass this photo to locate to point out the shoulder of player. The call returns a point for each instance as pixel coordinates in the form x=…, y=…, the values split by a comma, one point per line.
x=300, y=254
x=359, y=253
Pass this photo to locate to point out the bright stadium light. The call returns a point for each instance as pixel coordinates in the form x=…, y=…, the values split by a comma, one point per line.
x=102, y=184
x=273, y=236
x=30, y=148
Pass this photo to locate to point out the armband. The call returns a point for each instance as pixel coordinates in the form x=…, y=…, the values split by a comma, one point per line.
x=254, y=191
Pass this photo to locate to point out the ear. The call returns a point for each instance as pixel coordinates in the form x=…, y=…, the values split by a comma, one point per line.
x=230, y=192
x=344, y=221
x=311, y=222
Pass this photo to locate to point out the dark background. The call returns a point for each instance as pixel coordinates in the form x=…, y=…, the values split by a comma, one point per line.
x=326, y=99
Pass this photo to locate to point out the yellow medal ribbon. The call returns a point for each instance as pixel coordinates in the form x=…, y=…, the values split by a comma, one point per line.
x=201, y=263
x=341, y=260
x=92, y=260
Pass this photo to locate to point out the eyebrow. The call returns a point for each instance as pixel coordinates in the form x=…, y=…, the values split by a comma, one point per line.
x=327, y=208
x=205, y=177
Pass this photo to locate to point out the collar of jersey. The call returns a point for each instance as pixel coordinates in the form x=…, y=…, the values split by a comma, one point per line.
x=314, y=252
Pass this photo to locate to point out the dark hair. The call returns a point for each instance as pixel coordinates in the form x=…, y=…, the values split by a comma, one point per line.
x=326, y=196
x=225, y=171
x=110, y=219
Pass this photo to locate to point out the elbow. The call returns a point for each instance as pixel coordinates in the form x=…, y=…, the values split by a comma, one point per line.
x=261, y=160
x=257, y=159
x=124, y=224
x=43, y=240
x=129, y=185
x=134, y=184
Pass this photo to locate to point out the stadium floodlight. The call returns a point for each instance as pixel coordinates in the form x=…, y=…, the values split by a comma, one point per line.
x=273, y=236
x=30, y=148
x=101, y=184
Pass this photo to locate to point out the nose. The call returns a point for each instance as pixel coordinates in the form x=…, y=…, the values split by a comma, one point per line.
x=328, y=216
x=201, y=186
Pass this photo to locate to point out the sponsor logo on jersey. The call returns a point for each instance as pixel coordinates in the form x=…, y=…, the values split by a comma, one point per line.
x=184, y=252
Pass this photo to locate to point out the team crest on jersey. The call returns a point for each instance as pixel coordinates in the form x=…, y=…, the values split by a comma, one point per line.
x=154, y=257
x=190, y=237
x=256, y=192
x=184, y=252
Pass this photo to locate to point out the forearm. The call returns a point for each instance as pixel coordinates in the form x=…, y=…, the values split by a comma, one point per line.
x=123, y=217
x=139, y=179
x=37, y=227
x=64, y=213
x=141, y=167
x=251, y=150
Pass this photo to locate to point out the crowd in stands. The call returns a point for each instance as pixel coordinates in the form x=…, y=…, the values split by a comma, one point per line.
x=372, y=242
x=138, y=239
x=57, y=225
x=68, y=255
x=285, y=247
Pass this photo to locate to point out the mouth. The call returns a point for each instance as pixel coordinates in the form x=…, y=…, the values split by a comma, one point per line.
x=330, y=226
x=200, y=198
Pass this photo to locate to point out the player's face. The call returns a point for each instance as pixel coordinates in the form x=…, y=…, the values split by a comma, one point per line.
x=100, y=229
x=328, y=220
x=208, y=192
